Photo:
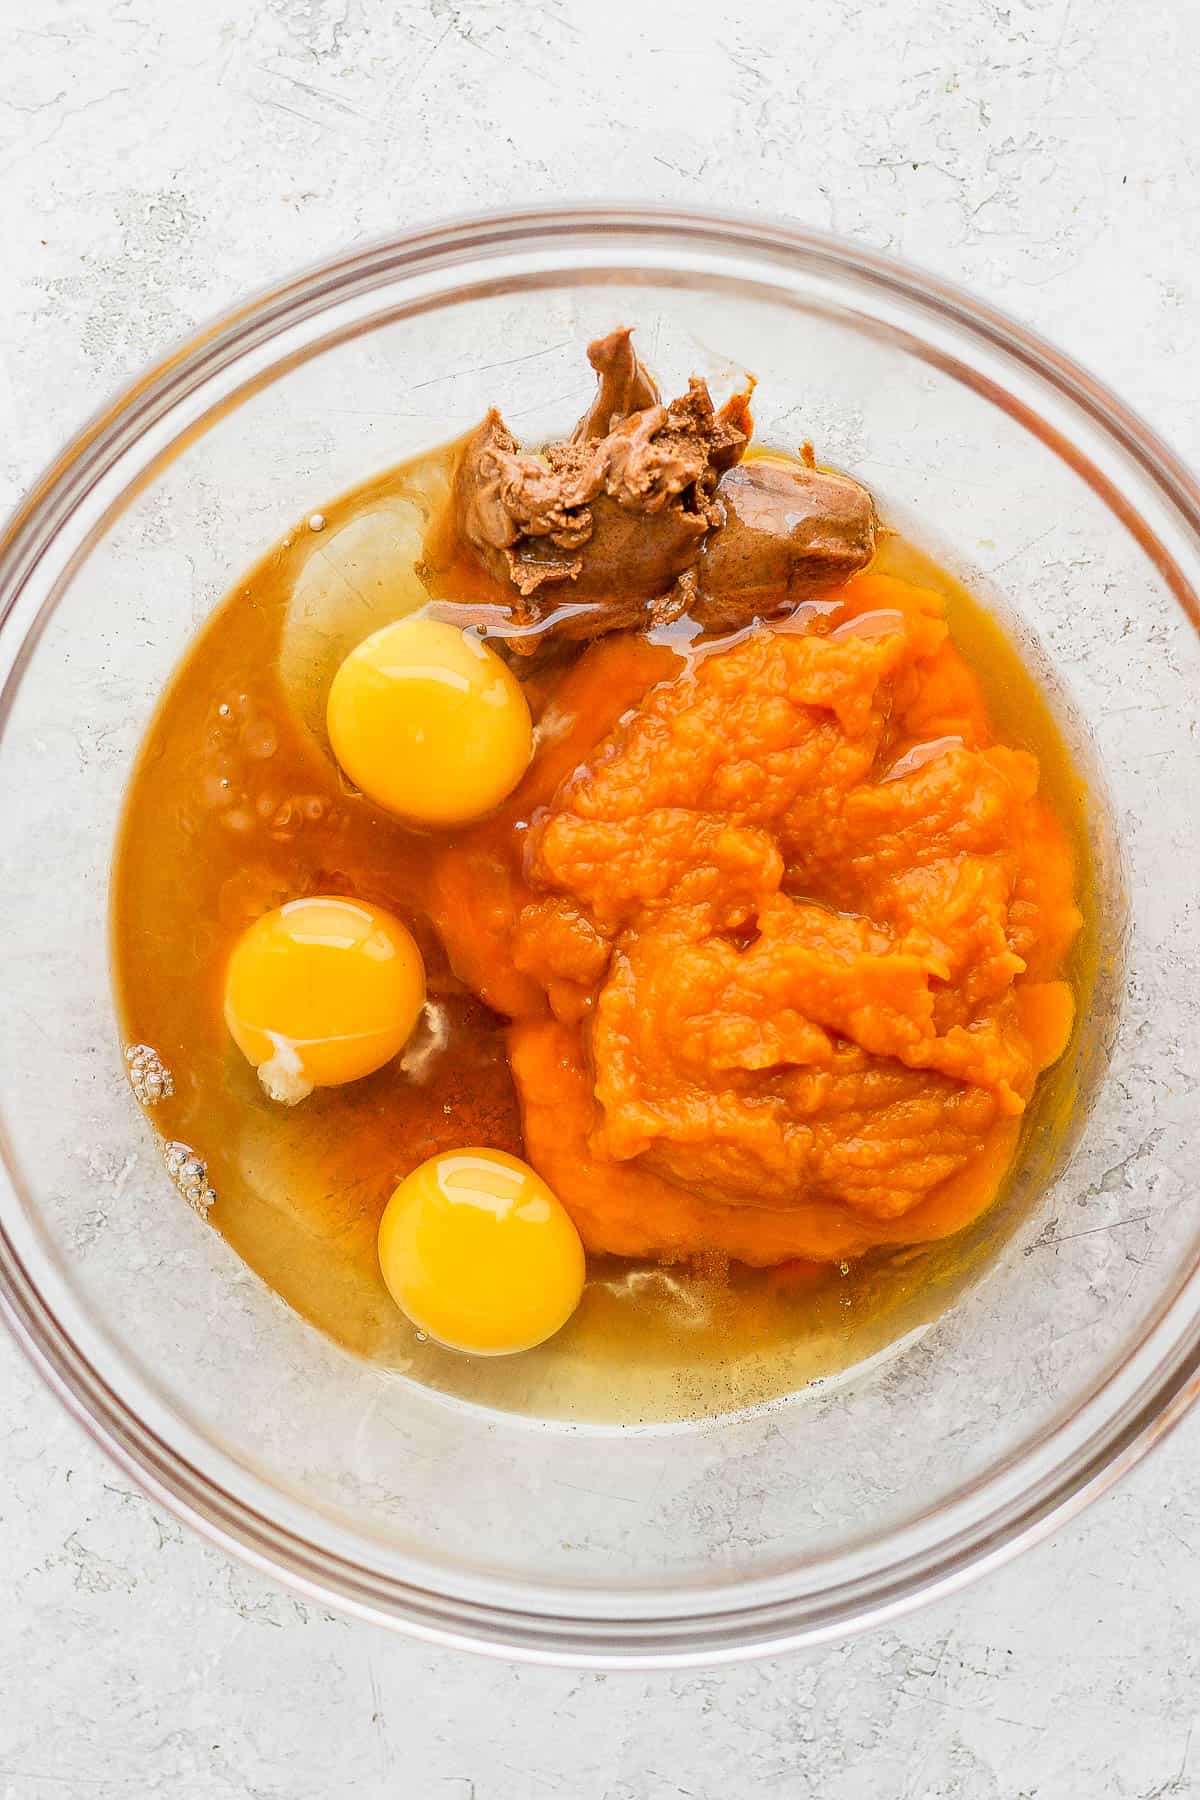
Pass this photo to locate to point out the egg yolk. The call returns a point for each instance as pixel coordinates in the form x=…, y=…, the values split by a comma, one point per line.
x=429, y=722
x=322, y=991
x=480, y=1254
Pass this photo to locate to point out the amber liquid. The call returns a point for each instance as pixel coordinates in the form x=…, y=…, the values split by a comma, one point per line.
x=235, y=805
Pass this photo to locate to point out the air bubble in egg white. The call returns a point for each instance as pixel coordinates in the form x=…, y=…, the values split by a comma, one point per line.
x=149, y=1076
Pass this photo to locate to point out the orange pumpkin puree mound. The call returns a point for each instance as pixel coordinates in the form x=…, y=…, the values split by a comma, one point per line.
x=781, y=930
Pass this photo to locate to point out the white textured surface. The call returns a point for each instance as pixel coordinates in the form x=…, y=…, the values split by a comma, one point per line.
x=154, y=163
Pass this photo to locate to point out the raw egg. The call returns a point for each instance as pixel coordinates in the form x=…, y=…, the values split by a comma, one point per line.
x=429, y=722
x=480, y=1254
x=322, y=991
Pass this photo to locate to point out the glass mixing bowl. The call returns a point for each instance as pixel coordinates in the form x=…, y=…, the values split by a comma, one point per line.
x=687, y=1543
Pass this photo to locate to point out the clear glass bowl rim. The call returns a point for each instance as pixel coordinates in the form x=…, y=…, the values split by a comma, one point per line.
x=1019, y=1501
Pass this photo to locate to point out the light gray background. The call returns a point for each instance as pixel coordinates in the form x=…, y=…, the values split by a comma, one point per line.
x=157, y=159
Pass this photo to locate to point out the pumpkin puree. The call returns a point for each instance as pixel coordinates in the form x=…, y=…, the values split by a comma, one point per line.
x=781, y=931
